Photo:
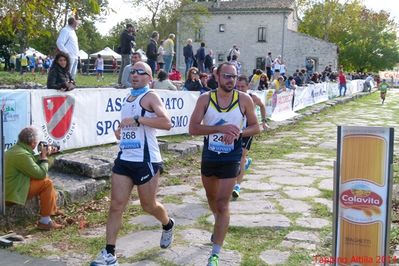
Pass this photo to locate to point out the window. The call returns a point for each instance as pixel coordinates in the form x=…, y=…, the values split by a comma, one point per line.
x=260, y=63
x=220, y=57
x=221, y=28
x=199, y=35
x=262, y=34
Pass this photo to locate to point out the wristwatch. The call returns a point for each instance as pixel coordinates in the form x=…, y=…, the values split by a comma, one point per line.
x=136, y=119
x=264, y=120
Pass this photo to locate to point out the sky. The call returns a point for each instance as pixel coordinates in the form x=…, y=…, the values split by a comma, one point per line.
x=124, y=9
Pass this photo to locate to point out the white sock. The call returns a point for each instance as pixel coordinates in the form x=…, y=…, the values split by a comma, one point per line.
x=45, y=220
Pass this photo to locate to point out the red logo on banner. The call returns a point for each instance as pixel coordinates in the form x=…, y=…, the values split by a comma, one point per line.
x=58, y=112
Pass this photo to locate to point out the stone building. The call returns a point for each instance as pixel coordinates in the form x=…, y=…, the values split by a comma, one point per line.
x=256, y=27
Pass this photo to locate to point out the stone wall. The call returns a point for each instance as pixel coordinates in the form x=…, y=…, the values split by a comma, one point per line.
x=241, y=28
x=300, y=46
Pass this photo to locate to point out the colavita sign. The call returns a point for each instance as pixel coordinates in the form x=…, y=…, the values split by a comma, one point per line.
x=362, y=196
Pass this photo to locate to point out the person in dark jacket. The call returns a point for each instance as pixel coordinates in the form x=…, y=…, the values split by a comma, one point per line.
x=208, y=62
x=193, y=82
x=212, y=82
x=188, y=54
x=152, y=51
x=128, y=37
x=59, y=77
x=200, y=56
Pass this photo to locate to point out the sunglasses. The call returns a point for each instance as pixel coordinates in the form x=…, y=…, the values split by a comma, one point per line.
x=229, y=76
x=140, y=72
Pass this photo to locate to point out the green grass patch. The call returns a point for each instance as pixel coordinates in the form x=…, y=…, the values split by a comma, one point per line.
x=320, y=210
x=172, y=199
x=109, y=80
x=327, y=194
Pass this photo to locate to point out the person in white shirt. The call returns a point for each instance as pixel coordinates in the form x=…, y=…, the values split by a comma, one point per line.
x=67, y=42
x=99, y=67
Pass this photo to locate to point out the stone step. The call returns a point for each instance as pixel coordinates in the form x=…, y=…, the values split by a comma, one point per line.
x=71, y=188
x=97, y=162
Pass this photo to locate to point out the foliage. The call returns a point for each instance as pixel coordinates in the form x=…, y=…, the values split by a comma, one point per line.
x=23, y=21
x=366, y=39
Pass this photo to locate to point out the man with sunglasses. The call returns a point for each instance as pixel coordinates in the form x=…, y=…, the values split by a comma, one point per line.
x=219, y=115
x=139, y=161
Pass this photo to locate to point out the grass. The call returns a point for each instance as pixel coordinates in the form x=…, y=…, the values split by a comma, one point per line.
x=110, y=80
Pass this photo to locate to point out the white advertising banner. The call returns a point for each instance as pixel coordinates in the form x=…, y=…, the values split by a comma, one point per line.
x=303, y=98
x=16, y=108
x=180, y=105
x=390, y=76
x=319, y=92
x=283, y=108
x=88, y=117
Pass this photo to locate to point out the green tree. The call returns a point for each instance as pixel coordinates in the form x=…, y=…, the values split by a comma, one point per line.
x=366, y=39
x=25, y=20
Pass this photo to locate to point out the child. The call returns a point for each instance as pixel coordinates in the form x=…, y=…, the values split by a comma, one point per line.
x=383, y=90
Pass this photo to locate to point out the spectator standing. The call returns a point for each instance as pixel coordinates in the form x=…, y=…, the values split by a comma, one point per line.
x=127, y=40
x=24, y=63
x=233, y=51
x=169, y=52
x=59, y=77
x=152, y=51
x=40, y=67
x=200, y=56
x=342, y=83
x=277, y=63
x=13, y=62
x=67, y=42
x=26, y=177
x=126, y=76
x=383, y=90
x=188, y=54
x=163, y=82
x=209, y=62
x=99, y=67
x=114, y=65
x=269, y=63
x=32, y=64
x=234, y=61
x=309, y=69
x=161, y=52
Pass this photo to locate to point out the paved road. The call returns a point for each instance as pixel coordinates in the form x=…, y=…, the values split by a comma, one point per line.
x=289, y=195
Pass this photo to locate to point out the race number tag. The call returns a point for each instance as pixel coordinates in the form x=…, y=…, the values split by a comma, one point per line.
x=130, y=138
x=216, y=144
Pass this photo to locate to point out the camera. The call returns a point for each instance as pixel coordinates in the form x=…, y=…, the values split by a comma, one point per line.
x=46, y=145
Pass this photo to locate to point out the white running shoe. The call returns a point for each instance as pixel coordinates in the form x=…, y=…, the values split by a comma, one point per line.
x=167, y=236
x=105, y=258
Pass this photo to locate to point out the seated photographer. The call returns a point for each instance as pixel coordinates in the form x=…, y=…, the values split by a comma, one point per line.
x=26, y=176
x=59, y=77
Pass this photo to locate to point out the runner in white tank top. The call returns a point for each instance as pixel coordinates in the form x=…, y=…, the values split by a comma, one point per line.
x=139, y=161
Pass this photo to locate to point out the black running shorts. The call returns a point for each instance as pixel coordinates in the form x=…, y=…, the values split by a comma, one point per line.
x=220, y=169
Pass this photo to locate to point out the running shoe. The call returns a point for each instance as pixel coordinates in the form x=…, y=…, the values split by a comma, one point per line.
x=236, y=191
x=167, y=236
x=105, y=258
x=248, y=162
x=213, y=260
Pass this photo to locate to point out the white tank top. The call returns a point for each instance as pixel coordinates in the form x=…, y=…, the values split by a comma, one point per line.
x=138, y=144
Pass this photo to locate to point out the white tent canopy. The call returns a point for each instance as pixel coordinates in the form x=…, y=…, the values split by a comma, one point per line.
x=83, y=54
x=107, y=53
x=30, y=51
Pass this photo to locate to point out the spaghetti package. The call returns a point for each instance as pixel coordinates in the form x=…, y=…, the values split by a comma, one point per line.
x=363, y=197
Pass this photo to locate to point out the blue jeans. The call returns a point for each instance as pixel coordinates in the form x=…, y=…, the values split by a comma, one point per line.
x=340, y=88
x=153, y=65
x=168, y=62
x=189, y=63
